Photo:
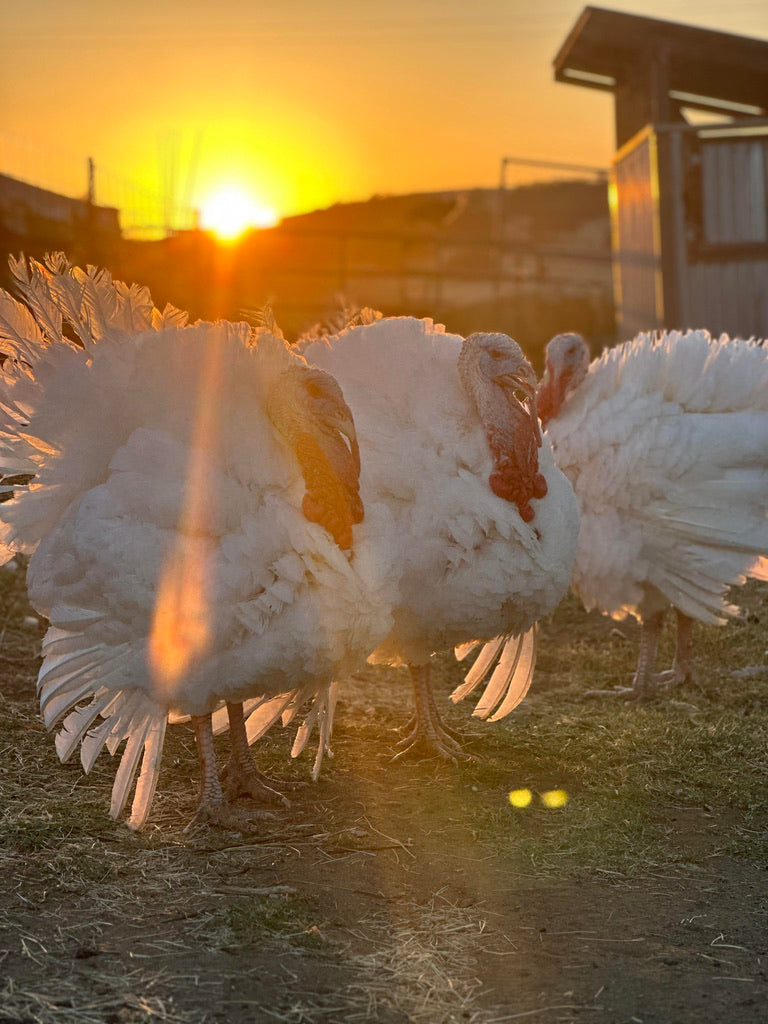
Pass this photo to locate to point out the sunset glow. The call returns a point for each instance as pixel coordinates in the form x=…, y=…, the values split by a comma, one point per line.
x=230, y=211
x=303, y=102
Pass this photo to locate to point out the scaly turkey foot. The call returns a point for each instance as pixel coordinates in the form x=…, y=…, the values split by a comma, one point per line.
x=675, y=676
x=645, y=684
x=654, y=685
x=241, y=775
x=249, y=781
x=411, y=726
x=220, y=813
x=427, y=730
x=213, y=808
x=627, y=692
x=636, y=693
x=682, y=671
x=646, y=689
x=432, y=739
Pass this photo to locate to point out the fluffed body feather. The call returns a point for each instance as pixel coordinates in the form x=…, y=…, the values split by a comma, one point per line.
x=666, y=444
x=470, y=567
x=157, y=471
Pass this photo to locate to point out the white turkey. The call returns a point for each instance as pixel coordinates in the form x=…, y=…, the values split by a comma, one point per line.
x=486, y=524
x=665, y=440
x=193, y=520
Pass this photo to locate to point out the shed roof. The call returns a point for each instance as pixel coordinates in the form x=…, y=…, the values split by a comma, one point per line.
x=606, y=49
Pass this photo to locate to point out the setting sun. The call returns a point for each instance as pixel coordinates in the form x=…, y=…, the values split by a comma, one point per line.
x=230, y=210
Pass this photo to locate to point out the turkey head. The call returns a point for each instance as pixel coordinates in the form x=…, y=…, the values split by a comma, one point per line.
x=501, y=381
x=307, y=407
x=567, y=366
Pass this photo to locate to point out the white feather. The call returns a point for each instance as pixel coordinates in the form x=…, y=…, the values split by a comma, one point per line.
x=666, y=444
x=469, y=567
x=128, y=764
x=480, y=668
x=111, y=429
x=150, y=772
x=517, y=675
x=510, y=679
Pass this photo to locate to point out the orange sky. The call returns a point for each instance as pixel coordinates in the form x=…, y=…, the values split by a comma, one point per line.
x=304, y=102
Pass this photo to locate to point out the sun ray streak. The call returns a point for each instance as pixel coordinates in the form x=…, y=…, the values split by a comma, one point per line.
x=181, y=631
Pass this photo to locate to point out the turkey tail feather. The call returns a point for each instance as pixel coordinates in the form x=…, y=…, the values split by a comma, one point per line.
x=511, y=677
x=479, y=670
x=525, y=662
x=150, y=771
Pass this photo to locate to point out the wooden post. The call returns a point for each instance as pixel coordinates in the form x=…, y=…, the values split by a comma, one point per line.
x=91, y=182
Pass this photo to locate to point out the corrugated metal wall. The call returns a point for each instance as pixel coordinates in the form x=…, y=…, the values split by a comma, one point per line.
x=711, y=188
x=733, y=174
x=722, y=294
x=729, y=298
x=635, y=236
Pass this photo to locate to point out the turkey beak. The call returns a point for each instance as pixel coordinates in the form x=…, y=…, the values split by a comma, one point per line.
x=344, y=424
x=521, y=381
x=521, y=388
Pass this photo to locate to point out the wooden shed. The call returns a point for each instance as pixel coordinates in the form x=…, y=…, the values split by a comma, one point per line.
x=689, y=202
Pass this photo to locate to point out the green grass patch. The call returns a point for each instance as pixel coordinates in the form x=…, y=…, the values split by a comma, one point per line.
x=681, y=779
x=254, y=918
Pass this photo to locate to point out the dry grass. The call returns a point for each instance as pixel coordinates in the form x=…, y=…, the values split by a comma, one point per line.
x=425, y=962
x=309, y=921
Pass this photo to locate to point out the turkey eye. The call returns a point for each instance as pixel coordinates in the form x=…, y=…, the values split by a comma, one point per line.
x=519, y=396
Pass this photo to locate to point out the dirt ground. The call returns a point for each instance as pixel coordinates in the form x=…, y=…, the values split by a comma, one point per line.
x=387, y=893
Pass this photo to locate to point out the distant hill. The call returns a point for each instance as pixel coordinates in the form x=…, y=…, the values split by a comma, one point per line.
x=542, y=212
x=541, y=267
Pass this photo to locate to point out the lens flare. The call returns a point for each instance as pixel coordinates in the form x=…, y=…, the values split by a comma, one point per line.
x=181, y=630
x=520, y=797
x=551, y=798
x=554, y=798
